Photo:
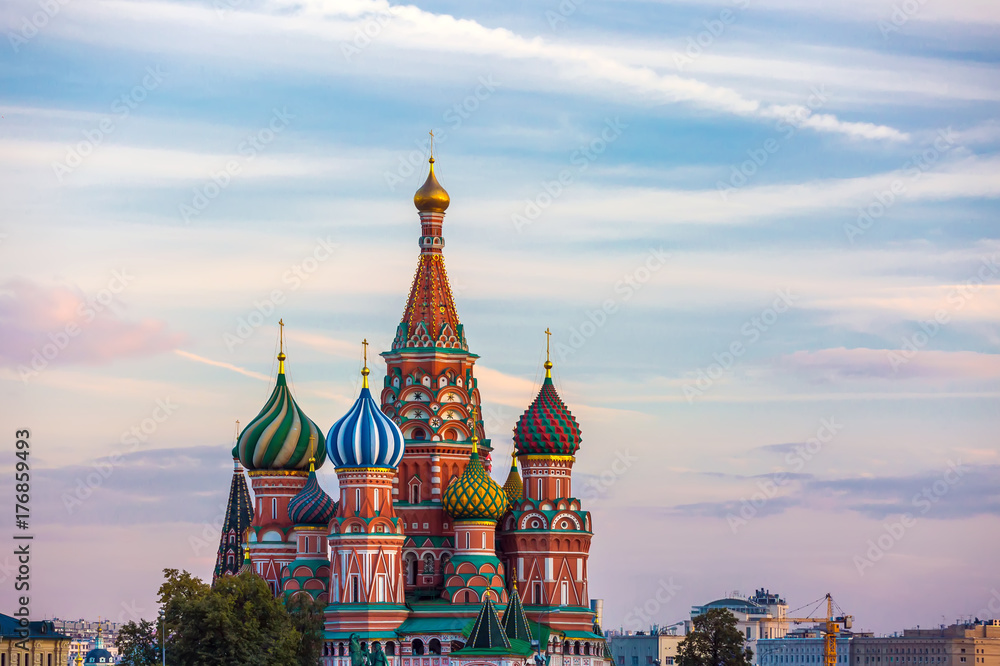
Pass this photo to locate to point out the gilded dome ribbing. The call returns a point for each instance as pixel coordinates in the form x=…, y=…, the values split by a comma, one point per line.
x=431, y=197
x=513, y=487
x=474, y=495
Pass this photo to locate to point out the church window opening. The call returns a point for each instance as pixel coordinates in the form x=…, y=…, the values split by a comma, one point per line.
x=380, y=589
x=357, y=499
x=418, y=646
x=536, y=593
x=468, y=538
x=415, y=493
x=418, y=433
x=376, y=499
x=390, y=648
x=274, y=508
x=564, y=593
x=434, y=647
x=355, y=590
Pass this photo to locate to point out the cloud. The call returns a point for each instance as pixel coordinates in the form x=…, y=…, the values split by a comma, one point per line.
x=223, y=364
x=419, y=38
x=41, y=324
x=831, y=365
x=956, y=490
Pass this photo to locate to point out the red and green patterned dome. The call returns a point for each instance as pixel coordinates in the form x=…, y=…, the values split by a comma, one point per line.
x=547, y=428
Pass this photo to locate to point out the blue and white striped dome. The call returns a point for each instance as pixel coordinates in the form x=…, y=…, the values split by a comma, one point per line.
x=364, y=436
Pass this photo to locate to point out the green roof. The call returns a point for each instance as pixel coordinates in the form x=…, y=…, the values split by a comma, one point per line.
x=487, y=633
x=430, y=625
x=519, y=648
x=515, y=623
x=364, y=635
x=583, y=635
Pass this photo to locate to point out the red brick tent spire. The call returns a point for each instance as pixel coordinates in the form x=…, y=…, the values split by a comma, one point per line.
x=431, y=393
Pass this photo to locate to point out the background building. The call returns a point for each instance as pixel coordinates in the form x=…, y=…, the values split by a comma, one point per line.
x=46, y=646
x=644, y=648
x=956, y=645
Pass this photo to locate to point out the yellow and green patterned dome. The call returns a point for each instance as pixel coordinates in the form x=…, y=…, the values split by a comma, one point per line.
x=475, y=496
x=513, y=487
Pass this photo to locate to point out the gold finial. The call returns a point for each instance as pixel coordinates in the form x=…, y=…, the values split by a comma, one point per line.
x=548, y=361
x=312, y=460
x=281, y=347
x=431, y=197
x=246, y=552
x=365, y=370
x=475, y=435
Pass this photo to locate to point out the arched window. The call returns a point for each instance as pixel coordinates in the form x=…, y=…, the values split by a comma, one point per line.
x=418, y=646
x=419, y=434
x=340, y=649
x=576, y=648
x=434, y=646
x=414, y=492
x=390, y=648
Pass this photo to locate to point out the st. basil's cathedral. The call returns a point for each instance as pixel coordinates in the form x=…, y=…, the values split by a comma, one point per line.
x=423, y=555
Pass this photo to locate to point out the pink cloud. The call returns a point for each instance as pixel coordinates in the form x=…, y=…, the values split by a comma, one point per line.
x=841, y=363
x=42, y=325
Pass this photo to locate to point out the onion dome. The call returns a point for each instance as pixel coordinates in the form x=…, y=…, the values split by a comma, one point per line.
x=99, y=655
x=364, y=436
x=247, y=568
x=474, y=495
x=513, y=487
x=547, y=427
x=311, y=505
x=431, y=197
x=281, y=436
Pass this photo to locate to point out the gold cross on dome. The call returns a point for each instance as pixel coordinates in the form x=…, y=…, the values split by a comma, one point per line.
x=364, y=343
x=548, y=338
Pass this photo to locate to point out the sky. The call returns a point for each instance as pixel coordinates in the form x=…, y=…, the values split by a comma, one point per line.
x=762, y=232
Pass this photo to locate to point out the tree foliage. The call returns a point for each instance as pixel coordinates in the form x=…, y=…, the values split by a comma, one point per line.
x=714, y=641
x=137, y=644
x=237, y=621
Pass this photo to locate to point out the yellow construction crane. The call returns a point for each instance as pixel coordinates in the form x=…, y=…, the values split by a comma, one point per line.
x=831, y=629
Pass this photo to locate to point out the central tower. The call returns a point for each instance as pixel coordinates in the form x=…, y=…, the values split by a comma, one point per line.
x=431, y=393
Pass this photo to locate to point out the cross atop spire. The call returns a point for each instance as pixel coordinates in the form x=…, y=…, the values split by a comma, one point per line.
x=475, y=437
x=365, y=370
x=281, y=347
x=548, y=361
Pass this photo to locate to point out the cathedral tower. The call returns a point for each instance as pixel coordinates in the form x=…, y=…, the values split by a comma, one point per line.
x=475, y=502
x=430, y=392
x=275, y=447
x=367, y=593
x=239, y=514
x=546, y=536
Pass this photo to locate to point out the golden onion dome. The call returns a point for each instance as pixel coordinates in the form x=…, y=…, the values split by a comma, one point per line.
x=431, y=197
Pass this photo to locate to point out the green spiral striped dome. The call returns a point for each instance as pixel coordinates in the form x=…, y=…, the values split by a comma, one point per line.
x=281, y=437
x=475, y=496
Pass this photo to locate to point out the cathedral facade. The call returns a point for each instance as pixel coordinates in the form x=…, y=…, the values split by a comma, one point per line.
x=421, y=554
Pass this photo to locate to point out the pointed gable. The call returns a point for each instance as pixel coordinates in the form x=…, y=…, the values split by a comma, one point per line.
x=487, y=634
x=515, y=622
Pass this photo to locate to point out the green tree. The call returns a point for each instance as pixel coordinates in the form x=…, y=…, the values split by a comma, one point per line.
x=307, y=618
x=714, y=641
x=237, y=621
x=137, y=644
